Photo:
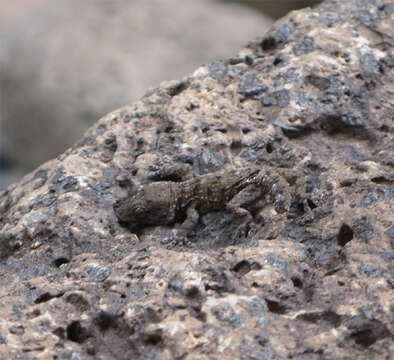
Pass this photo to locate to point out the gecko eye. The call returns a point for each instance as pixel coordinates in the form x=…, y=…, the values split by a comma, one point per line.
x=139, y=212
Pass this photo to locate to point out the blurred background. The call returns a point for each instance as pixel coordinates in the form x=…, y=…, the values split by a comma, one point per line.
x=66, y=63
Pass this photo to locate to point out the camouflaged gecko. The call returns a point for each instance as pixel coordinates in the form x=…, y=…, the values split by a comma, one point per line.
x=167, y=202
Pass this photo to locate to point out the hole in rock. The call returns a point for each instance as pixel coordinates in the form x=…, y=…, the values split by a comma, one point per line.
x=268, y=43
x=297, y=282
x=345, y=235
x=275, y=306
x=60, y=261
x=77, y=333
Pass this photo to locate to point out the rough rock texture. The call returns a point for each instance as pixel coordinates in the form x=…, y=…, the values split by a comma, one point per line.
x=59, y=72
x=312, y=100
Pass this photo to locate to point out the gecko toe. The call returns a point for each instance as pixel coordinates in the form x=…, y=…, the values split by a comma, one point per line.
x=244, y=231
x=175, y=239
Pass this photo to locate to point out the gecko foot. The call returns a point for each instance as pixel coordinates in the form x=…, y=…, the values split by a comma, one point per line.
x=177, y=238
x=246, y=230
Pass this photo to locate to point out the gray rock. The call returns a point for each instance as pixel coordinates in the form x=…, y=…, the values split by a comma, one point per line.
x=309, y=280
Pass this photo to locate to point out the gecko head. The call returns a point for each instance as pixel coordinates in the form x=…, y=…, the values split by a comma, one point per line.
x=131, y=209
x=139, y=212
x=151, y=204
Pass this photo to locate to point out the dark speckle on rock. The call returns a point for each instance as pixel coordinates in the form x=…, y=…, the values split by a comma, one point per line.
x=369, y=270
x=368, y=199
x=279, y=98
x=226, y=314
x=17, y=329
x=63, y=182
x=251, y=85
x=305, y=46
x=191, y=106
x=364, y=331
x=31, y=272
x=303, y=99
x=99, y=273
x=185, y=158
x=353, y=154
x=364, y=229
x=318, y=81
x=269, y=43
x=177, y=88
x=235, y=71
x=285, y=32
x=249, y=155
x=390, y=279
x=277, y=262
x=328, y=19
x=369, y=63
x=175, y=285
x=36, y=217
x=142, y=254
x=102, y=188
x=257, y=347
x=110, y=141
x=44, y=200
x=218, y=69
x=79, y=301
x=278, y=61
x=390, y=233
x=102, y=128
x=42, y=176
x=86, y=141
x=258, y=307
x=59, y=176
x=220, y=281
x=276, y=37
x=345, y=235
x=348, y=182
x=70, y=183
x=207, y=161
x=289, y=75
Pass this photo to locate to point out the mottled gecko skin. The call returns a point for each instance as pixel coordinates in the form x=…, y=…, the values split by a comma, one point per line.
x=167, y=202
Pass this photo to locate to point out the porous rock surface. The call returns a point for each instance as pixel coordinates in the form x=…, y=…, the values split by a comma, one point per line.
x=314, y=98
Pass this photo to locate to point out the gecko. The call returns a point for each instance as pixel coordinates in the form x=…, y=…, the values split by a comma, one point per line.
x=169, y=202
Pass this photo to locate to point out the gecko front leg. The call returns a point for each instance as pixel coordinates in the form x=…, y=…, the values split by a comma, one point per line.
x=179, y=235
x=191, y=220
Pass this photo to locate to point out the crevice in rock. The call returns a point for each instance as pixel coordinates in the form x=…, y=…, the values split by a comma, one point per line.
x=345, y=235
x=77, y=333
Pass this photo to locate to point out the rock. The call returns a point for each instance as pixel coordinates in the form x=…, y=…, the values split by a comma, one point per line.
x=60, y=72
x=311, y=280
